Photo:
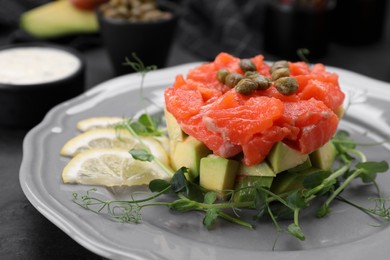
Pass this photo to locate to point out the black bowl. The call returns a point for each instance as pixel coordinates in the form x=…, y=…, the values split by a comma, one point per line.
x=149, y=40
x=290, y=28
x=25, y=105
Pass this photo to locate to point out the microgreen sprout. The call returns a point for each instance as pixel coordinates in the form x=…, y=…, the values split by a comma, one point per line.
x=138, y=66
x=190, y=196
x=303, y=53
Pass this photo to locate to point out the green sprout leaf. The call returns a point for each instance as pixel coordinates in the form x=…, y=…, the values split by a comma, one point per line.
x=296, y=231
x=302, y=54
x=296, y=200
x=142, y=155
x=260, y=203
x=373, y=167
x=146, y=125
x=194, y=192
x=178, y=181
x=370, y=169
x=342, y=141
x=315, y=179
x=210, y=197
x=323, y=211
x=158, y=185
x=148, y=121
x=139, y=128
x=210, y=217
x=137, y=65
x=184, y=205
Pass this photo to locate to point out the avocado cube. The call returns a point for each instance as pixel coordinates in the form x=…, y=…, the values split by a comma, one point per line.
x=282, y=157
x=261, y=169
x=174, y=130
x=188, y=154
x=304, y=166
x=244, y=187
x=324, y=157
x=217, y=173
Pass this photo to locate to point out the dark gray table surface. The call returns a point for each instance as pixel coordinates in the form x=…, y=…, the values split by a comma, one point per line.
x=26, y=234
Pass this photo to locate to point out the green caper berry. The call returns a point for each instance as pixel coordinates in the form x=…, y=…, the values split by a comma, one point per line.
x=262, y=82
x=247, y=65
x=278, y=65
x=251, y=74
x=221, y=75
x=280, y=73
x=286, y=85
x=232, y=79
x=245, y=86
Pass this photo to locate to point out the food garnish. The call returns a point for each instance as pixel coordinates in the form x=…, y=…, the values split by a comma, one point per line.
x=275, y=168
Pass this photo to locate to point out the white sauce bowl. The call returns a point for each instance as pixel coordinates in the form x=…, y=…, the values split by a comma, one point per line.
x=34, y=78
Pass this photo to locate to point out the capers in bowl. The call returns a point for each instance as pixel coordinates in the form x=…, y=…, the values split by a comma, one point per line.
x=134, y=10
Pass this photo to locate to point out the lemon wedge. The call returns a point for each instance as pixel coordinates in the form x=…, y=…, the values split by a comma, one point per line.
x=98, y=122
x=110, y=167
x=112, y=138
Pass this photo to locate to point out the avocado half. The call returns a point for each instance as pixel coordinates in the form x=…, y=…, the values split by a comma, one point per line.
x=58, y=18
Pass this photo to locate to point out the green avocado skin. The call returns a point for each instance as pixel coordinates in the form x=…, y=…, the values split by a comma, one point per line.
x=57, y=19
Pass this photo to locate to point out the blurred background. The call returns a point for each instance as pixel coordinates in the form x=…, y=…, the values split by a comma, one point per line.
x=350, y=34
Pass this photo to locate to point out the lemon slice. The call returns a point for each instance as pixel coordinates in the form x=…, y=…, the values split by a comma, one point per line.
x=110, y=122
x=112, y=138
x=98, y=122
x=110, y=167
x=99, y=138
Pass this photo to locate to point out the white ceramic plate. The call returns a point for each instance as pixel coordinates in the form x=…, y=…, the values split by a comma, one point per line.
x=346, y=233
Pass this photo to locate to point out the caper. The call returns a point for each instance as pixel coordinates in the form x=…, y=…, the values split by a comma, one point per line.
x=280, y=73
x=245, y=86
x=262, y=82
x=286, y=85
x=232, y=79
x=247, y=65
x=251, y=74
x=221, y=75
x=278, y=65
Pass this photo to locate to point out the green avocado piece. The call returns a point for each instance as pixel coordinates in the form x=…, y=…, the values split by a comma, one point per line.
x=188, y=154
x=304, y=166
x=217, y=173
x=244, y=193
x=282, y=157
x=261, y=169
x=324, y=157
x=58, y=18
x=174, y=130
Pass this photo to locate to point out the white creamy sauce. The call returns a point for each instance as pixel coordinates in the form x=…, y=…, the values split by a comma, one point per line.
x=34, y=65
